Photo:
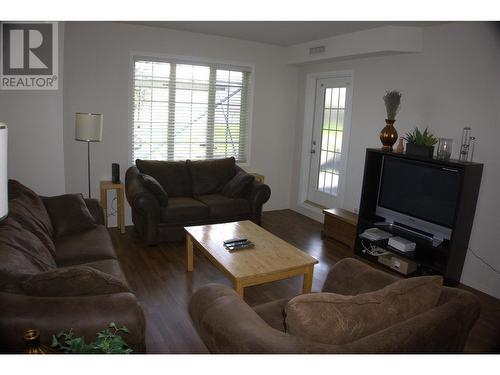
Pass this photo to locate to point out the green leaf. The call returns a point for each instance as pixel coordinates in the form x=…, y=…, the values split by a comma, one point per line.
x=107, y=341
x=418, y=137
x=55, y=342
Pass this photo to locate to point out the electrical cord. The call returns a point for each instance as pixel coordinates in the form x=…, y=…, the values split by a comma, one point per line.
x=113, y=211
x=482, y=260
x=372, y=249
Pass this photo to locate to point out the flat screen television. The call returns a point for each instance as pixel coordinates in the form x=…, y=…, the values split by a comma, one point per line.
x=419, y=195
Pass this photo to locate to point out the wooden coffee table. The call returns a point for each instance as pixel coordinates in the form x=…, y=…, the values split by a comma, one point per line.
x=271, y=259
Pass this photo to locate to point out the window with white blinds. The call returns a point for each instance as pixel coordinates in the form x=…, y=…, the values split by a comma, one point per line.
x=185, y=110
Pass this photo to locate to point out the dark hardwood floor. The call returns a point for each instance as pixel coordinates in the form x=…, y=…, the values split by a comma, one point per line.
x=159, y=278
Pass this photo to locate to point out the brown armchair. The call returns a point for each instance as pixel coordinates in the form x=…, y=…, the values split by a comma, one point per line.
x=227, y=324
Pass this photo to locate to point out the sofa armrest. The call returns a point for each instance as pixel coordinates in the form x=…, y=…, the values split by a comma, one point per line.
x=145, y=207
x=350, y=277
x=85, y=315
x=259, y=194
x=227, y=324
x=95, y=210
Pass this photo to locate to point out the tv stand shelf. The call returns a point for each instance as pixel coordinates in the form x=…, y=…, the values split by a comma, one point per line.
x=448, y=257
x=429, y=260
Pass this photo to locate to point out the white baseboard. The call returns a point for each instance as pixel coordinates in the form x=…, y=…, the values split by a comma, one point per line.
x=310, y=211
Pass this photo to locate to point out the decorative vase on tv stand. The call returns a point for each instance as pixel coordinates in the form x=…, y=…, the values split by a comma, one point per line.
x=420, y=143
x=389, y=135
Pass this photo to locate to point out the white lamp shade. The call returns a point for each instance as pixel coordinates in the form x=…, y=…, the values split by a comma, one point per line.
x=88, y=127
x=4, y=196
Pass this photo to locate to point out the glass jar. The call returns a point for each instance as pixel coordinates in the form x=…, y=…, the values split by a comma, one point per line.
x=444, y=148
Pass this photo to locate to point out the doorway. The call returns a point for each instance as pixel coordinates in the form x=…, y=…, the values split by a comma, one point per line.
x=329, y=140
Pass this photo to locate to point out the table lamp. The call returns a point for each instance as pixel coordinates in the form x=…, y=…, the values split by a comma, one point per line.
x=88, y=128
x=4, y=195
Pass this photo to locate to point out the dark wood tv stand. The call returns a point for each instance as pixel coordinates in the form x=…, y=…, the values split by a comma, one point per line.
x=448, y=258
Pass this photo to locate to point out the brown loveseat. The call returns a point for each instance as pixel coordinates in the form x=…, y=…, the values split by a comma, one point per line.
x=53, y=283
x=193, y=193
x=227, y=324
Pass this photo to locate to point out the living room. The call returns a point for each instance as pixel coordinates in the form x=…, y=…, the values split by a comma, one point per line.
x=261, y=86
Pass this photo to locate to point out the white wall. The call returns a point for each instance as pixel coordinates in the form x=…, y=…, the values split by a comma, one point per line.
x=385, y=40
x=35, y=120
x=453, y=83
x=97, y=80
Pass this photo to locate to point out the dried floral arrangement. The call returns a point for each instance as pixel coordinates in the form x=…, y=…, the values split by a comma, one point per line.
x=392, y=101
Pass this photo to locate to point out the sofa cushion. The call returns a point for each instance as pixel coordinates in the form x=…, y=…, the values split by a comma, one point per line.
x=221, y=206
x=28, y=209
x=109, y=266
x=21, y=253
x=173, y=176
x=22, y=211
x=239, y=185
x=154, y=187
x=73, y=281
x=183, y=210
x=69, y=214
x=89, y=246
x=337, y=319
x=210, y=176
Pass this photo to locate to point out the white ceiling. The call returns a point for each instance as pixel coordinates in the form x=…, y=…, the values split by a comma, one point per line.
x=281, y=33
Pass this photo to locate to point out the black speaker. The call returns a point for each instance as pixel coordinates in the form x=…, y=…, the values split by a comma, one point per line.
x=115, y=173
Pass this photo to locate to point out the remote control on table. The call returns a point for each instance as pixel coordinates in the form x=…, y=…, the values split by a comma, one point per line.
x=234, y=240
x=240, y=243
x=248, y=245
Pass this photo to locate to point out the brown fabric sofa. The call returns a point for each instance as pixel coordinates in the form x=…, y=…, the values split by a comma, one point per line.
x=54, y=283
x=227, y=324
x=195, y=196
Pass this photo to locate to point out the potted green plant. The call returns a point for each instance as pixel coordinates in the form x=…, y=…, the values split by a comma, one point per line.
x=420, y=143
x=108, y=341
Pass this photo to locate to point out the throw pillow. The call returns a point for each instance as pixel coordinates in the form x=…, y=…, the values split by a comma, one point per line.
x=238, y=186
x=336, y=319
x=154, y=187
x=69, y=214
x=210, y=176
x=173, y=176
x=33, y=203
x=72, y=281
x=22, y=212
x=21, y=253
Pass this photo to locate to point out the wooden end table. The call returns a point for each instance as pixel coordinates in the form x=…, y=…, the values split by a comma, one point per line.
x=120, y=202
x=271, y=259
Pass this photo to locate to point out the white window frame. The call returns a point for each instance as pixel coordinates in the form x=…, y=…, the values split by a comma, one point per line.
x=309, y=109
x=133, y=55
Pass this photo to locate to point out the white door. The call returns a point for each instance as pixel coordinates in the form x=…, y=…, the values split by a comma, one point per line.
x=327, y=167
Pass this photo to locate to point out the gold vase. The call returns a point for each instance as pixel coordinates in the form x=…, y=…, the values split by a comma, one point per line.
x=33, y=345
x=388, y=135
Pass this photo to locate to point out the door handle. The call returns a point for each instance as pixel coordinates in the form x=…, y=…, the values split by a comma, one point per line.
x=313, y=151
